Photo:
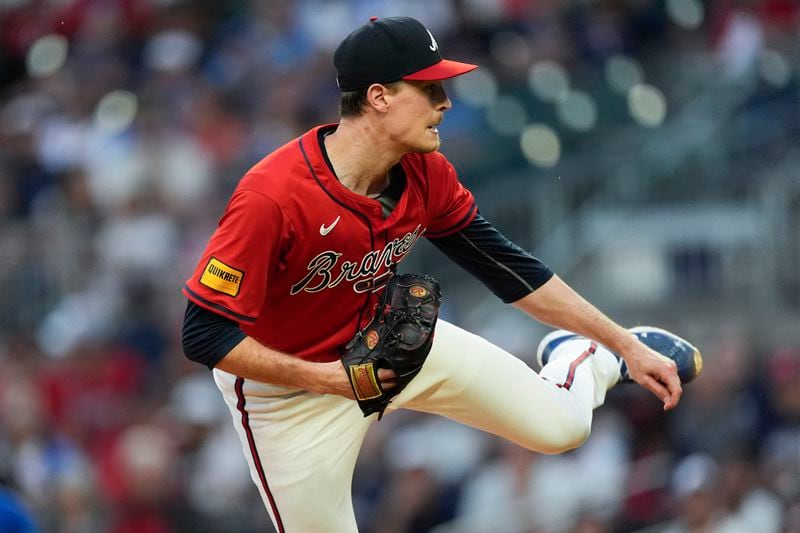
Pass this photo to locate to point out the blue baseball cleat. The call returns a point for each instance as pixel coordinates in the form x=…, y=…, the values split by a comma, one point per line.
x=550, y=342
x=686, y=357
x=682, y=352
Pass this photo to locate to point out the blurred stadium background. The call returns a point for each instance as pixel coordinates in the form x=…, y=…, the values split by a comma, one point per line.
x=648, y=150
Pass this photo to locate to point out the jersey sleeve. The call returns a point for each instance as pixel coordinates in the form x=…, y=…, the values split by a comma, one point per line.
x=232, y=275
x=451, y=205
x=506, y=269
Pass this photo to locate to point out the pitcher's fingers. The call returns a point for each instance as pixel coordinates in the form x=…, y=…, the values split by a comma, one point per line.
x=673, y=385
x=387, y=377
x=386, y=374
x=657, y=388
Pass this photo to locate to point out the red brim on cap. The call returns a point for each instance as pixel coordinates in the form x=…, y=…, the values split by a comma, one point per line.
x=442, y=70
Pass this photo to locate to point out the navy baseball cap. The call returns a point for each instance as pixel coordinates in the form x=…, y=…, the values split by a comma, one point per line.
x=391, y=49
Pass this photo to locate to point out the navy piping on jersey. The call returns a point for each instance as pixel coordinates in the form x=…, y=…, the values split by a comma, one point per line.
x=240, y=405
x=357, y=213
x=491, y=259
x=220, y=308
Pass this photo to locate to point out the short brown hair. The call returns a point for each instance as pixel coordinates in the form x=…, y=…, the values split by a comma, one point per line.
x=351, y=103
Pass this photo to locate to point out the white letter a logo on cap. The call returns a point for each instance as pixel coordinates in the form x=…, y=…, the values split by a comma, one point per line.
x=433, y=45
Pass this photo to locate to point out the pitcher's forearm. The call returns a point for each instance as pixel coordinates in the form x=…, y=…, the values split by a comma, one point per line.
x=252, y=360
x=558, y=305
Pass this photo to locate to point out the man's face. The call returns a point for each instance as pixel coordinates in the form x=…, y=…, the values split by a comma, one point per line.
x=417, y=108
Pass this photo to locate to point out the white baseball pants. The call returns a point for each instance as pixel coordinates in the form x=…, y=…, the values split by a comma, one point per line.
x=302, y=447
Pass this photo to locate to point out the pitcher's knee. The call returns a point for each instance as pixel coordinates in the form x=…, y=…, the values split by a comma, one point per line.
x=574, y=438
x=566, y=437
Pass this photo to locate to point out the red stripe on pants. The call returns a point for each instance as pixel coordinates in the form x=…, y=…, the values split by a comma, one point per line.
x=256, y=459
x=573, y=367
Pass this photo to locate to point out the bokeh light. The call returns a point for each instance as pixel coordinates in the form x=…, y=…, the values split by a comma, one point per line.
x=685, y=13
x=577, y=110
x=510, y=49
x=507, y=116
x=479, y=89
x=548, y=80
x=116, y=111
x=774, y=68
x=47, y=55
x=623, y=72
x=172, y=51
x=541, y=145
x=647, y=105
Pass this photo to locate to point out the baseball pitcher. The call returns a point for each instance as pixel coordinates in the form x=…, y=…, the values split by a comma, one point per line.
x=313, y=336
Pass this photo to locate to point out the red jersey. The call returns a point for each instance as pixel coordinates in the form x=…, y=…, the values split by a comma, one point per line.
x=299, y=260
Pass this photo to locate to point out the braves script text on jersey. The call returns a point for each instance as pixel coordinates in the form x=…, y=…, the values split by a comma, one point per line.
x=295, y=247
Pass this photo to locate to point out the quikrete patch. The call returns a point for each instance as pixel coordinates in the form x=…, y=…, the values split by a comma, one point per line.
x=222, y=278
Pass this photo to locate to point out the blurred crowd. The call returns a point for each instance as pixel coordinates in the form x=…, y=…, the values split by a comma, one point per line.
x=125, y=124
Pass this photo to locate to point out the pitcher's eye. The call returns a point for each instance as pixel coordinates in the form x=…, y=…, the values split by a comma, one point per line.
x=435, y=92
